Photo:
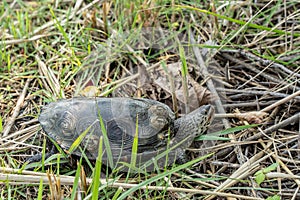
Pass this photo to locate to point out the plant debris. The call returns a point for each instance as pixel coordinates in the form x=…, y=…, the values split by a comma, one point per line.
x=242, y=57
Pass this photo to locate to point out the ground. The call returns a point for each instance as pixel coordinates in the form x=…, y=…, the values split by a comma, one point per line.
x=240, y=56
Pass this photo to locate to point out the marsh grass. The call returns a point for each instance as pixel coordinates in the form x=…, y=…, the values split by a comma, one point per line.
x=56, y=45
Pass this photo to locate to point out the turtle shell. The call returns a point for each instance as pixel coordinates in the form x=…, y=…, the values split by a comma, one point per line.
x=68, y=119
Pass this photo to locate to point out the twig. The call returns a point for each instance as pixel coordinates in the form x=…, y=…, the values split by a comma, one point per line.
x=213, y=90
x=248, y=104
x=63, y=19
x=14, y=138
x=22, y=131
x=228, y=164
x=255, y=92
x=192, y=178
x=252, y=116
x=264, y=61
x=280, y=163
x=205, y=74
x=50, y=78
x=120, y=82
x=7, y=10
x=272, y=175
x=209, y=182
x=275, y=127
x=15, y=114
x=284, y=100
x=23, y=40
x=68, y=180
x=258, y=72
x=245, y=170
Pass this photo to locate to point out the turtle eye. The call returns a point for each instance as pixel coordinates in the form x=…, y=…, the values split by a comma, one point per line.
x=158, y=122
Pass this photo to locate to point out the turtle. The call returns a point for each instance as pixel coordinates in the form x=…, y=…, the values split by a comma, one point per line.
x=121, y=121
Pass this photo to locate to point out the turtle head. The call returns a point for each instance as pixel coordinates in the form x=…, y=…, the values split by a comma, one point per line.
x=193, y=125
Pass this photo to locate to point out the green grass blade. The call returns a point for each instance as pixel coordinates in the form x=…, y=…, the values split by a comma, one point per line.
x=184, y=69
x=43, y=154
x=117, y=193
x=162, y=154
x=106, y=140
x=162, y=175
x=76, y=180
x=40, y=190
x=212, y=137
x=280, y=32
x=135, y=145
x=58, y=163
x=97, y=171
x=59, y=26
x=1, y=126
x=225, y=132
x=184, y=74
x=78, y=140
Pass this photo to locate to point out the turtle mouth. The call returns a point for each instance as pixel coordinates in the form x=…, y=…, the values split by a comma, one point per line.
x=208, y=111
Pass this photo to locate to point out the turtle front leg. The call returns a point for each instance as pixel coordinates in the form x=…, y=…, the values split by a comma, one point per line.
x=181, y=157
x=38, y=157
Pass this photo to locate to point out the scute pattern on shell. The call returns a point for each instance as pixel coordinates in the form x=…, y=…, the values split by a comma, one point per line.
x=68, y=119
x=65, y=120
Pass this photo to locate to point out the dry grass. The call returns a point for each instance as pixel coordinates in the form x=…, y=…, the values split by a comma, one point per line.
x=240, y=56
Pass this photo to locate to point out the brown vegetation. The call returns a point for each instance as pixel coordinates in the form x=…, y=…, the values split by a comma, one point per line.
x=240, y=56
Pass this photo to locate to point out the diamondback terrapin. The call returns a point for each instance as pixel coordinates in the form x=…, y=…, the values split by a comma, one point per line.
x=83, y=121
